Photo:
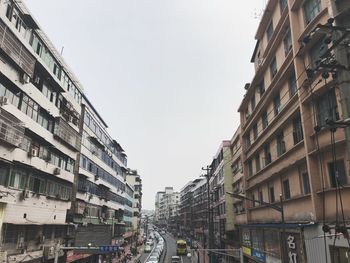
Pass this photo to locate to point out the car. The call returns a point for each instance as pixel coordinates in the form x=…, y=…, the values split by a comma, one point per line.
x=147, y=249
x=155, y=254
x=162, y=232
x=157, y=251
x=175, y=259
x=149, y=243
x=152, y=259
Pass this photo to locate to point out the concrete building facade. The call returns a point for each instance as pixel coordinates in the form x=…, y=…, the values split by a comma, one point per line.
x=221, y=204
x=169, y=206
x=159, y=196
x=288, y=157
x=61, y=173
x=134, y=179
x=39, y=138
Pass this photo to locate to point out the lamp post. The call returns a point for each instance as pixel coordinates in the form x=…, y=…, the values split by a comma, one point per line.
x=278, y=208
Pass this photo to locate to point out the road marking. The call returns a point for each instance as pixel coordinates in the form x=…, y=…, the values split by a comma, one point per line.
x=181, y=260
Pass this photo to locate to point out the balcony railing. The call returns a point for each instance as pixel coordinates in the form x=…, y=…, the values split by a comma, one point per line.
x=11, y=128
x=66, y=133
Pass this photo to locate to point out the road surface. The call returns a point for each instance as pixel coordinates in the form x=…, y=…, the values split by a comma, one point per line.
x=171, y=250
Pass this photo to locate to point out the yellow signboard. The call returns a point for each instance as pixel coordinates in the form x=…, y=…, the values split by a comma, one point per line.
x=247, y=250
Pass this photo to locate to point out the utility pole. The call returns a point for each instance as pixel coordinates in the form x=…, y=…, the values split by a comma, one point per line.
x=341, y=12
x=210, y=226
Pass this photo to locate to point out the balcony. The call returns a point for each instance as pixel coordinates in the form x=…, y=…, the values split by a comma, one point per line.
x=16, y=50
x=66, y=134
x=11, y=129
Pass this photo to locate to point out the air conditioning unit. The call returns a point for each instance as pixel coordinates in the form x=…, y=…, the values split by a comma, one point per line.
x=25, y=78
x=48, y=252
x=24, y=194
x=57, y=171
x=36, y=80
x=33, y=152
x=3, y=100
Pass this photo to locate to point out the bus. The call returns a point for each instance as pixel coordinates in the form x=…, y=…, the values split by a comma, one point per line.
x=181, y=247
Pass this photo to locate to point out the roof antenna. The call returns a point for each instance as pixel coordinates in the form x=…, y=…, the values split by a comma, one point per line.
x=62, y=50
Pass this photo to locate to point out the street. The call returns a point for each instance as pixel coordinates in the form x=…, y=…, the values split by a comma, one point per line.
x=170, y=251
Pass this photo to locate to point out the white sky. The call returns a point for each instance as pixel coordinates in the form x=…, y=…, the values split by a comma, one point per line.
x=166, y=75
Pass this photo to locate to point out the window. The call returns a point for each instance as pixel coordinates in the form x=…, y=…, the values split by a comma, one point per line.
x=261, y=88
x=311, y=9
x=273, y=68
x=36, y=185
x=292, y=85
x=247, y=141
x=11, y=96
x=250, y=168
x=286, y=189
x=18, y=179
x=255, y=131
x=261, y=197
x=4, y=171
x=257, y=163
x=287, y=42
x=267, y=154
x=281, y=147
x=29, y=107
x=297, y=130
x=306, y=183
x=11, y=233
x=277, y=104
x=316, y=52
x=269, y=31
x=283, y=5
x=253, y=200
x=252, y=102
x=272, y=194
x=339, y=170
x=265, y=121
x=326, y=107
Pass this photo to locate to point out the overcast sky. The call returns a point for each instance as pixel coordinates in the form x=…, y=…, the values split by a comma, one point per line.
x=166, y=75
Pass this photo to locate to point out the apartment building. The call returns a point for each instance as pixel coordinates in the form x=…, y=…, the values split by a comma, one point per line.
x=221, y=204
x=287, y=150
x=58, y=164
x=186, y=210
x=39, y=138
x=159, y=196
x=169, y=208
x=128, y=213
x=238, y=182
x=200, y=209
x=134, y=179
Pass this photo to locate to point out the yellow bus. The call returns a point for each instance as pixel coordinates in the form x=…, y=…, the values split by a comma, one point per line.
x=181, y=247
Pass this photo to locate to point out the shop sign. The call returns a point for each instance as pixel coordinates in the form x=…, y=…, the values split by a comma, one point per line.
x=292, y=249
x=246, y=237
x=258, y=255
x=247, y=250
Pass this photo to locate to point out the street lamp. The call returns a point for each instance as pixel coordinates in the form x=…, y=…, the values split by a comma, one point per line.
x=278, y=208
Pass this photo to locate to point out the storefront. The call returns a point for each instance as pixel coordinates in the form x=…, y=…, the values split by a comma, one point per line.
x=262, y=243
